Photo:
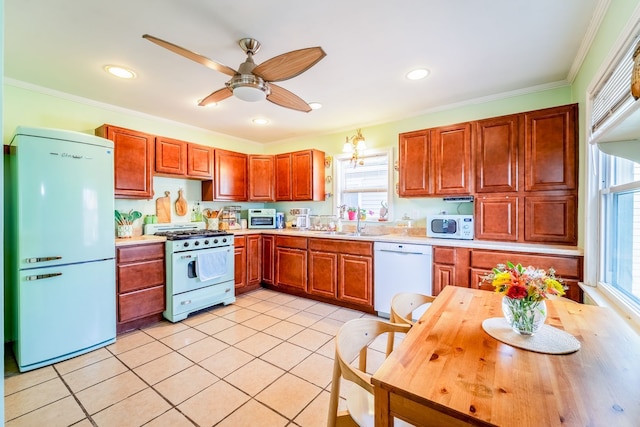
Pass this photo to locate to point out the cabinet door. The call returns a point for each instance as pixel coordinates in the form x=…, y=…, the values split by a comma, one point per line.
x=133, y=161
x=414, y=163
x=451, y=156
x=478, y=282
x=284, y=189
x=291, y=268
x=268, y=258
x=142, y=303
x=551, y=219
x=171, y=156
x=199, y=161
x=254, y=260
x=261, y=178
x=496, y=154
x=443, y=275
x=323, y=274
x=240, y=262
x=230, y=181
x=355, y=279
x=301, y=175
x=550, y=155
x=497, y=217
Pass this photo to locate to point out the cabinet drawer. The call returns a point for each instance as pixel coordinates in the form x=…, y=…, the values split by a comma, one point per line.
x=140, y=252
x=444, y=255
x=341, y=246
x=291, y=242
x=565, y=267
x=139, y=304
x=239, y=241
x=140, y=275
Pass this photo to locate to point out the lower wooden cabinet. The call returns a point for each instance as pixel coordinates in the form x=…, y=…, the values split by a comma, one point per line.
x=268, y=258
x=291, y=262
x=342, y=271
x=140, y=276
x=248, y=262
x=467, y=267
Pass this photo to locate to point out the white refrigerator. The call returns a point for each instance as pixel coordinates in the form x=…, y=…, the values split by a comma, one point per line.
x=60, y=228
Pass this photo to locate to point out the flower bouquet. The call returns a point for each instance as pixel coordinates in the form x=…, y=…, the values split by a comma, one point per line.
x=524, y=290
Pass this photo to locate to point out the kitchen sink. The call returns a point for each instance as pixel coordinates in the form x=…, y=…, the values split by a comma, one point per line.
x=344, y=233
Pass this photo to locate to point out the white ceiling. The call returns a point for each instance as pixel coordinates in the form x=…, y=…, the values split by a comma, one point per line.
x=474, y=49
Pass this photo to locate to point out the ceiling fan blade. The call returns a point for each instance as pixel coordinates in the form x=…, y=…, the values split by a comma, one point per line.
x=216, y=96
x=192, y=55
x=290, y=64
x=284, y=98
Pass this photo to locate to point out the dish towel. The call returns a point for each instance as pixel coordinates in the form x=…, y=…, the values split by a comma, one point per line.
x=211, y=265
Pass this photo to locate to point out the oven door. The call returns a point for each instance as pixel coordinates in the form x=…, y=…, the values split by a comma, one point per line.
x=216, y=265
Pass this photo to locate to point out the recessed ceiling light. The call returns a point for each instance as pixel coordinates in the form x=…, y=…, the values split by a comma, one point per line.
x=260, y=121
x=315, y=105
x=118, y=71
x=417, y=74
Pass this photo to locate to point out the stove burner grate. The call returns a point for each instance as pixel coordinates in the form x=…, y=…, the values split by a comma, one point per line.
x=191, y=234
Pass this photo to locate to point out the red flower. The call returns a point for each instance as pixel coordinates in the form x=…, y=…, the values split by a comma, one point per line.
x=517, y=292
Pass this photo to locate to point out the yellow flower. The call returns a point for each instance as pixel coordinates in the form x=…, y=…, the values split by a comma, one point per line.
x=500, y=280
x=555, y=285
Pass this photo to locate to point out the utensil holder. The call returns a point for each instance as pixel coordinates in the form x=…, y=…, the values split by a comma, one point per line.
x=125, y=231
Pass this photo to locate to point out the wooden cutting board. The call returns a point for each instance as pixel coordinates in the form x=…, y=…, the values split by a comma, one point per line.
x=163, y=208
x=181, y=204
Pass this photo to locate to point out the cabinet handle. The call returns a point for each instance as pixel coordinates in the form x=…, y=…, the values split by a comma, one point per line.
x=42, y=276
x=42, y=259
x=187, y=302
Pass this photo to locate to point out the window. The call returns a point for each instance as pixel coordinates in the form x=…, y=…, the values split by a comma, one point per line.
x=364, y=185
x=620, y=226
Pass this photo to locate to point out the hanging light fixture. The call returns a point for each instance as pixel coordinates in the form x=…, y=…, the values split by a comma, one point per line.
x=356, y=146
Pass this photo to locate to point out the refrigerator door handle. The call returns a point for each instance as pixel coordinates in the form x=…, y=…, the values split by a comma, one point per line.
x=42, y=259
x=42, y=276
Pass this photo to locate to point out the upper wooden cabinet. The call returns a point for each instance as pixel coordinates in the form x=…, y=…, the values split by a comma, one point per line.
x=199, y=161
x=171, y=156
x=180, y=158
x=497, y=147
x=435, y=162
x=230, y=181
x=300, y=176
x=415, y=164
x=550, y=154
x=133, y=161
x=261, y=178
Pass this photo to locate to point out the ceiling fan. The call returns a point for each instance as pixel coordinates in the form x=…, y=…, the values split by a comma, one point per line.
x=253, y=82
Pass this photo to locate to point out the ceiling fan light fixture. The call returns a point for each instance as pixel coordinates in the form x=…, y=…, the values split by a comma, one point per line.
x=417, y=74
x=249, y=87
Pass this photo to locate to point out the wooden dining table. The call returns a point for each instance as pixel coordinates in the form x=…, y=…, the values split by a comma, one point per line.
x=448, y=371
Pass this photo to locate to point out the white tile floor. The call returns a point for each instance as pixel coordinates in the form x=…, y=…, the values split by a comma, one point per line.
x=264, y=361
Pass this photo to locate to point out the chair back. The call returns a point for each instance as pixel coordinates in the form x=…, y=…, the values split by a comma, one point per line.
x=404, y=304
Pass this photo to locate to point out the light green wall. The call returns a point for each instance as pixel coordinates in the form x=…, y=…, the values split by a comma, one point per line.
x=30, y=107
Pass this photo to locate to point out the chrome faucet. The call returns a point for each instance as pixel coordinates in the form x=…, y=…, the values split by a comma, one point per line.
x=358, y=229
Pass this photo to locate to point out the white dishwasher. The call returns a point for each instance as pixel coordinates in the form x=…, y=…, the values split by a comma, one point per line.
x=400, y=267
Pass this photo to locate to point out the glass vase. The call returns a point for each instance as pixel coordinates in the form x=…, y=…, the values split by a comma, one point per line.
x=524, y=316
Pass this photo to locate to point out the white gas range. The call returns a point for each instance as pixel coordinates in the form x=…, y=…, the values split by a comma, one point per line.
x=199, y=267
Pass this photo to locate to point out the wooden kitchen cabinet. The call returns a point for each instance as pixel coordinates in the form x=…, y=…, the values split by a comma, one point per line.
x=450, y=267
x=497, y=217
x=291, y=263
x=496, y=153
x=551, y=218
x=550, y=149
x=414, y=164
x=435, y=162
x=451, y=147
x=342, y=271
x=268, y=258
x=300, y=176
x=132, y=161
x=170, y=157
x=248, y=262
x=140, y=277
x=230, y=177
x=199, y=161
x=261, y=178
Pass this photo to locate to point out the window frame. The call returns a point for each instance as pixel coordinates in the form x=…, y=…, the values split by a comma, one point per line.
x=337, y=177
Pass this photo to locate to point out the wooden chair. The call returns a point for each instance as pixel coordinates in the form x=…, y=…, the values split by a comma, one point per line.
x=352, y=341
x=402, y=307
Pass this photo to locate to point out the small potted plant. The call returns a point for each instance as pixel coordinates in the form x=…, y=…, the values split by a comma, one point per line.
x=351, y=212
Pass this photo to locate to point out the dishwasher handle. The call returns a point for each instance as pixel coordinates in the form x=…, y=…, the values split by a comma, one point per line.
x=402, y=252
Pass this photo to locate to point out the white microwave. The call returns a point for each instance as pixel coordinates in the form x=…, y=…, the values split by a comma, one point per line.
x=261, y=218
x=450, y=226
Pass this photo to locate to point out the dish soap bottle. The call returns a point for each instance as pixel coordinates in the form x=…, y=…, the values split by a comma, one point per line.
x=196, y=213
